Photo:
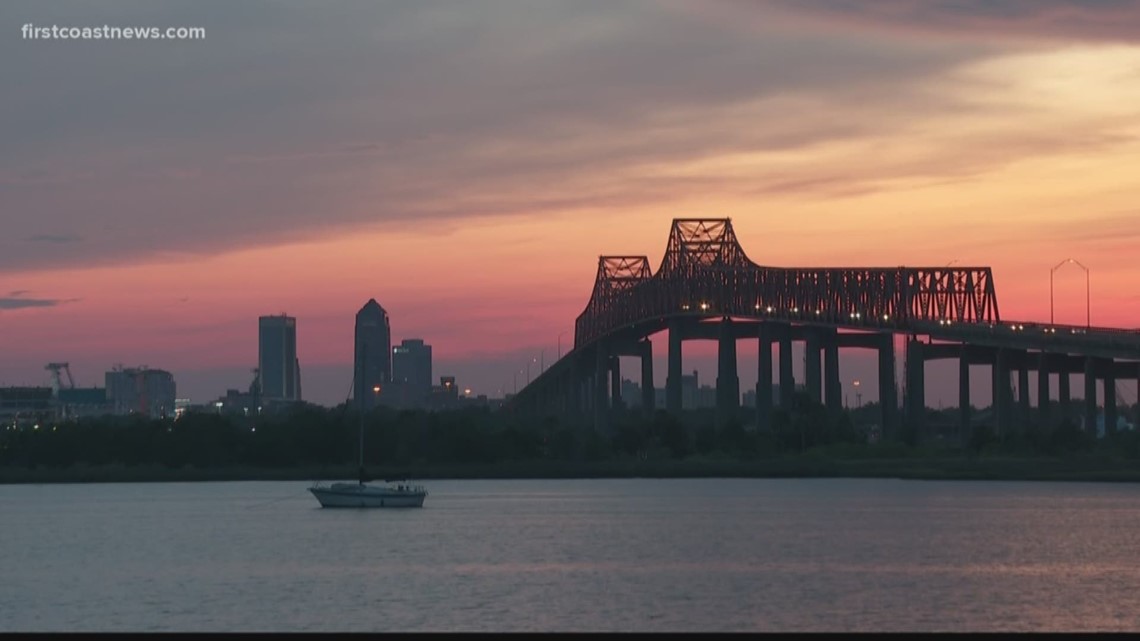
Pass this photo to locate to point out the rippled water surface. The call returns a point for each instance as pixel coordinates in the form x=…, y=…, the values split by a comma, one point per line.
x=574, y=555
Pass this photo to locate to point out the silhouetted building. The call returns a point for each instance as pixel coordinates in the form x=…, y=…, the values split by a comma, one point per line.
x=279, y=369
x=25, y=406
x=749, y=397
x=630, y=393
x=445, y=395
x=373, y=353
x=238, y=403
x=411, y=367
x=689, y=392
x=75, y=402
x=140, y=390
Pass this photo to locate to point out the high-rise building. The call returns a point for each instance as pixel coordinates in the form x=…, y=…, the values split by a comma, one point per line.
x=372, y=354
x=279, y=369
x=140, y=390
x=411, y=368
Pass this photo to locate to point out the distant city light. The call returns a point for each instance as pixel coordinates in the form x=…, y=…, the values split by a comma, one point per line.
x=376, y=388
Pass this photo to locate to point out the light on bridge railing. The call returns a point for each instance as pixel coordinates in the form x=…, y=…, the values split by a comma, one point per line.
x=704, y=306
x=795, y=310
x=885, y=317
x=685, y=306
x=769, y=309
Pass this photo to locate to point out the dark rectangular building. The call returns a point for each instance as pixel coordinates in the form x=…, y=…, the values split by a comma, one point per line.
x=277, y=363
x=372, y=355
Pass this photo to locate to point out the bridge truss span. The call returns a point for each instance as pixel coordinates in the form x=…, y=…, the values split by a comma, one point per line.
x=705, y=272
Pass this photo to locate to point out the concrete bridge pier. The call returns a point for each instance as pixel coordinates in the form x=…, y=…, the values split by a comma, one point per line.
x=812, y=348
x=1043, y=423
x=1003, y=394
x=787, y=381
x=1108, y=383
x=1064, y=399
x=888, y=398
x=915, y=366
x=833, y=389
x=673, y=378
x=648, y=393
x=615, y=383
x=1136, y=419
x=1023, y=417
x=727, y=380
x=1090, y=395
x=601, y=402
x=573, y=390
x=764, y=379
x=964, y=431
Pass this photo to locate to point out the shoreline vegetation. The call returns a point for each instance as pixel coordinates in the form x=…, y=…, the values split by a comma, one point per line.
x=806, y=466
x=307, y=443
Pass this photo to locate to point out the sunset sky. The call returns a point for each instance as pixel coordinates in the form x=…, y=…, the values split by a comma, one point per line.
x=466, y=162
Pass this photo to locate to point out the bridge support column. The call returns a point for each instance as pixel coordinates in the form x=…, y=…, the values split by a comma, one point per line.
x=1002, y=392
x=916, y=389
x=1043, y=425
x=673, y=378
x=727, y=380
x=574, y=389
x=1023, y=394
x=812, y=381
x=1136, y=419
x=964, y=432
x=832, y=387
x=764, y=380
x=1109, y=385
x=648, y=392
x=1064, y=400
x=601, y=403
x=888, y=399
x=787, y=381
x=615, y=383
x=1090, y=395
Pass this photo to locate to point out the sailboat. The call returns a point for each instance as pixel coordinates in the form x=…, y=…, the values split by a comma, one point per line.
x=393, y=493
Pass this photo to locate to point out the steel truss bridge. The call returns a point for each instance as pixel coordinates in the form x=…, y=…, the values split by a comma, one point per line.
x=706, y=287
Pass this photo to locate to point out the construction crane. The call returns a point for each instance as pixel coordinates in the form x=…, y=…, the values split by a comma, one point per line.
x=56, y=381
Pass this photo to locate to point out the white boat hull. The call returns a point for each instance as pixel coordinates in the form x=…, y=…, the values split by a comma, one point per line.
x=357, y=495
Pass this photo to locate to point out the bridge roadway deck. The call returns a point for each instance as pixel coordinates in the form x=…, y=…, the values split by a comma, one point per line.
x=1098, y=342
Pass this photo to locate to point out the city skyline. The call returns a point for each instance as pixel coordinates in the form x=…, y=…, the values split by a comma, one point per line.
x=468, y=172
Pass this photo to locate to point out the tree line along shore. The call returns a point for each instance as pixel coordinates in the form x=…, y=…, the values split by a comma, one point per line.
x=308, y=442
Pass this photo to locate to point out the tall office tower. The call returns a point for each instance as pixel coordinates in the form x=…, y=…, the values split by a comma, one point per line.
x=277, y=362
x=373, y=354
x=411, y=367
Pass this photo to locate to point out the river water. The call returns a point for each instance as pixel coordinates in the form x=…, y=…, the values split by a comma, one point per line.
x=575, y=555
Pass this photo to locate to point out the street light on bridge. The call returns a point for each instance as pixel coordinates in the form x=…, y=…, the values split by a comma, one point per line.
x=1088, y=315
